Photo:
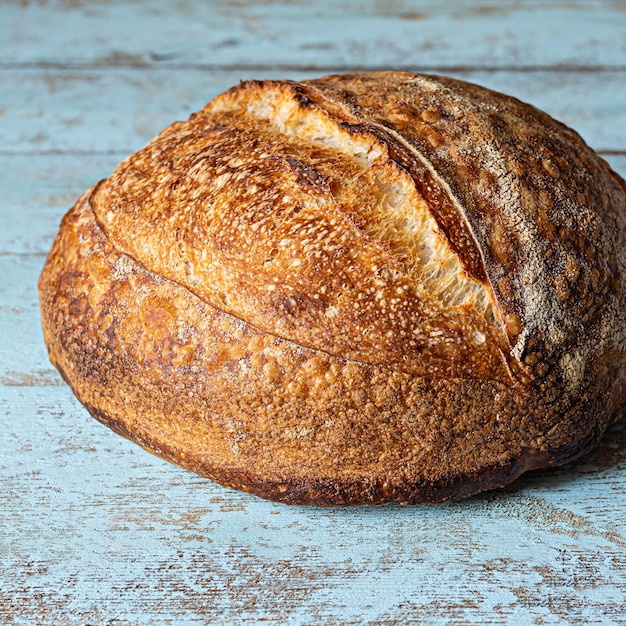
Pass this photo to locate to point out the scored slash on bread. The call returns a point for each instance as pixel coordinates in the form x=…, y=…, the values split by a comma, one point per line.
x=356, y=289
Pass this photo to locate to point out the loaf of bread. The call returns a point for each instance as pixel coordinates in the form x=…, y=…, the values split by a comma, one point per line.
x=367, y=288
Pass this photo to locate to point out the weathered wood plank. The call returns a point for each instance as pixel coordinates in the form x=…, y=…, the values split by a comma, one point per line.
x=93, y=529
x=23, y=357
x=38, y=189
x=323, y=34
x=120, y=110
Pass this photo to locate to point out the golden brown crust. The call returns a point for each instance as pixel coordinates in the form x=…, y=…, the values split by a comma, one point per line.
x=321, y=292
x=273, y=228
x=547, y=212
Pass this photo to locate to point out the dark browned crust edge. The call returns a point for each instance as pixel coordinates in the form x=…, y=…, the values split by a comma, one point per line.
x=336, y=493
x=427, y=181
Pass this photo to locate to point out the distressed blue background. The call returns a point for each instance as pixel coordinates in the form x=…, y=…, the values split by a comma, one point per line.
x=93, y=530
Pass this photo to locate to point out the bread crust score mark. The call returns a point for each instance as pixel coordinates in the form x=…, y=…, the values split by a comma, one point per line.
x=359, y=289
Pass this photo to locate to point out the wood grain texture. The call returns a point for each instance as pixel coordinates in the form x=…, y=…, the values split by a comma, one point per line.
x=121, y=109
x=94, y=530
x=99, y=530
x=324, y=34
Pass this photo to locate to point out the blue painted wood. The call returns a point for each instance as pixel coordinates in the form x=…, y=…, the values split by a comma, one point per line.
x=325, y=33
x=120, y=110
x=94, y=530
x=38, y=189
x=98, y=529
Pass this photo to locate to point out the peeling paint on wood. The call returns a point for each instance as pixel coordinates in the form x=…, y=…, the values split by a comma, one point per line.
x=94, y=530
x=37, y=190
x=98, y=527
x=120, y=110
x=325, y=33
x=91, y=526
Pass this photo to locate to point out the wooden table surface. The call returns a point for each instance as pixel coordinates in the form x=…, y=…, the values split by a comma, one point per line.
x=94, y=530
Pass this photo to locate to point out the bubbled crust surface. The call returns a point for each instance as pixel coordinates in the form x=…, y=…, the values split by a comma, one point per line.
x=274, y=225
x=232, y=299
x=546, y=211
x=216, y=395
